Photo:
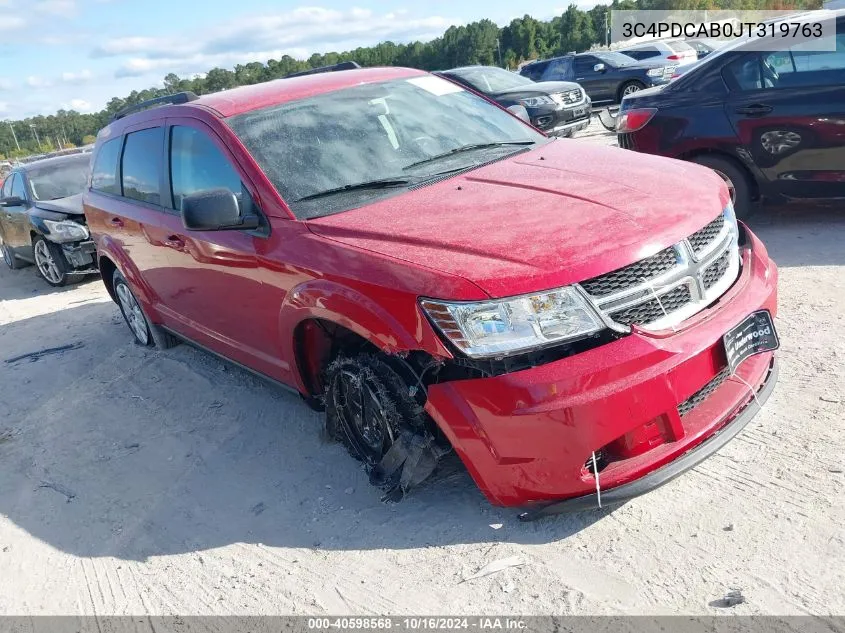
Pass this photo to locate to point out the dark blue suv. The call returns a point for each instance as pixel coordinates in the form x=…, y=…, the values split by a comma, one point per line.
x=606, y=76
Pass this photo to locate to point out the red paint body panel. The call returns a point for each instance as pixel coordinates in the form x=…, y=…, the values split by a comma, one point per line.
x=541, y=219
x=525, y=436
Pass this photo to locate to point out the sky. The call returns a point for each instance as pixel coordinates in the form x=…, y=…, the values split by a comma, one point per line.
x=77, y=54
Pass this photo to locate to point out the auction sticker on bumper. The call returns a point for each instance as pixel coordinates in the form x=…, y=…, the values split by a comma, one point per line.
x=756, y=334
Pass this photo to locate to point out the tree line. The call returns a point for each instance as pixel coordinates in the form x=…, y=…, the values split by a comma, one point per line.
x=481, y=42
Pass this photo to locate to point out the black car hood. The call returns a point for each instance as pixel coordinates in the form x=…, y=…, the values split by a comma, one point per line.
x=541, y=87
x=72, y=205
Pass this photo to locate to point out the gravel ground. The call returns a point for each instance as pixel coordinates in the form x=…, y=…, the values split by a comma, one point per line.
x=141, y=482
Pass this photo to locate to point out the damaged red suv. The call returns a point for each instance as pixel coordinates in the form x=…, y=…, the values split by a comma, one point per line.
x=439, y=276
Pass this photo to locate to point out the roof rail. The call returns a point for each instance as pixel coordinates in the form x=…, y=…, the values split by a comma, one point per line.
x=174, y=99
x=350, y=65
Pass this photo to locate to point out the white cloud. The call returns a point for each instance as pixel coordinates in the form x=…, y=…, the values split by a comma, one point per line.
x=257, y=38
x=4, y=107
x=5, y=84
x=64, y=8
x=34, y=81
x=80, y=105
x=11, y=22
x=80, y=77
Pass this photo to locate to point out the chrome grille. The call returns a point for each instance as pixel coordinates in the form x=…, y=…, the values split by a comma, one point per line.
x=702, y=394
x=570, y=97
x=670, y=286
x=623, y=278
x=653, y=309
x=714, y=272
x=700, y=240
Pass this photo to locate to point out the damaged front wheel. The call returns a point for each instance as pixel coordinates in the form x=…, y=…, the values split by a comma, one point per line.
x=370, y=409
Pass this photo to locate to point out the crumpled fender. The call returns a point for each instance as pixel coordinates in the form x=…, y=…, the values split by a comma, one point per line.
x=401, y=329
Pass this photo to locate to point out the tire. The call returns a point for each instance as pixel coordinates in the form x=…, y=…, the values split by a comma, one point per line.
x=629, y=87
x=368, y=406
x=144, y=331
x=9, y=257
x=737, y=180
x=50, y=262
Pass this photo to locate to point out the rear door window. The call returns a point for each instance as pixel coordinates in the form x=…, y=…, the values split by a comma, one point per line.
x=197, y=164
x=17, y=187
x=141, y=166
x=534, y=71
x=104, y=171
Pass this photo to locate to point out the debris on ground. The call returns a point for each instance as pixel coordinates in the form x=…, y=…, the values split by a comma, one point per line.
x=34, y=356
x=495, y=567
x=62, y=490
x=830, y=399
x=731, y=599
x=729, y=527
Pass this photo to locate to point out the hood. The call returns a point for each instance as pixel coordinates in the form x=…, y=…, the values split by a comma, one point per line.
x=541, y=87
x=556, y=215
x=72, y=205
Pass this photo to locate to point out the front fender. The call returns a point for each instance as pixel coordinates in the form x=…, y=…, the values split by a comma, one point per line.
x=402, y=328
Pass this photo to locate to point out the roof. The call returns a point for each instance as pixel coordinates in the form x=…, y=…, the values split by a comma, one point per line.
x=246, y=98
x=43, y=162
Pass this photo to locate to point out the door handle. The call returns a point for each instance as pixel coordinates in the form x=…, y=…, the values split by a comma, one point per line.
x=117, y=222
x=756, y=109
x=174, y=241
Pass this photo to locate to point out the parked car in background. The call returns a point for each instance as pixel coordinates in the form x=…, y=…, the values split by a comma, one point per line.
x=436, y=274
x=42, y=221
x=770, y=123
x=606, y=76
x=676, y=52
x=558, y=108
x=705, y=45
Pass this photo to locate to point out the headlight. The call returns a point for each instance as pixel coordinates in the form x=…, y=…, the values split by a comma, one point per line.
x=66, y=231
x=533, y=102
x=655, y=72
x=500, y=327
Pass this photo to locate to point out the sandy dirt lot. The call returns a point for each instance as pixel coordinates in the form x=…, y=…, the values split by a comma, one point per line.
x=134, y=481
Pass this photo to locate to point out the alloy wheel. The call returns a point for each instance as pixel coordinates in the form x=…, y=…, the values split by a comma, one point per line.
x=46, y=264
x=729, y=183
x=7, y=254
x=629, y=90
x=363, y=414
x=133, y=314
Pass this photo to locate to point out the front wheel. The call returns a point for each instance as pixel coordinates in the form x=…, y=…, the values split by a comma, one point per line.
x=50, y=262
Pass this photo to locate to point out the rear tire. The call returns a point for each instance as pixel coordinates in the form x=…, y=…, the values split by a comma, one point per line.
x=629, y=88
x=9, y=257
x=145, y=332
x=735, y=178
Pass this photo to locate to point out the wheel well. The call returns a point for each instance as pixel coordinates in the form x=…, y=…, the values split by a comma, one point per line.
x=107, y=269
x=752, y=181
x=316, y=343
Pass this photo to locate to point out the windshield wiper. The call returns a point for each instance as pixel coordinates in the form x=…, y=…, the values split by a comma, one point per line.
x=466, y=148
x=369, y=184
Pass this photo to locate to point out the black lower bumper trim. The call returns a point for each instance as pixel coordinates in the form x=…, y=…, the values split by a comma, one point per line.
x=655, y=479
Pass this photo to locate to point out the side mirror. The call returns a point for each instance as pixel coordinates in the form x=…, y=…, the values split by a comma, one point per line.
x=599, y=68
x=12, y=201
x=519, y=111
x=215, y=210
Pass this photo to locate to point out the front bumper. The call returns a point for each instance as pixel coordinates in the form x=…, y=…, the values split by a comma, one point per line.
x=80, y=255
x=561, y=120
x=526, y=437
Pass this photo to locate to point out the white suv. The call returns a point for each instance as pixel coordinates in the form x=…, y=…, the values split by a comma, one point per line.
x=675, y=51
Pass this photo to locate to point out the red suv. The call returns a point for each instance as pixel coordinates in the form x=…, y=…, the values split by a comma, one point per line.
x=438, y=275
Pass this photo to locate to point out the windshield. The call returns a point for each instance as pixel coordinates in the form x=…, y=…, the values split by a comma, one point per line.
x=402, y=131
x=59, y=179
x=492, y=80
x=615, y=59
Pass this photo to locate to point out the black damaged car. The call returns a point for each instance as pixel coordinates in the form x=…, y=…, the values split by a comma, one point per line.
x=558, y=108
x=42, y=220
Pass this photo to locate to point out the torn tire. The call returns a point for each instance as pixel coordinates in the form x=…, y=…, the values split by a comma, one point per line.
x=370, y=409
